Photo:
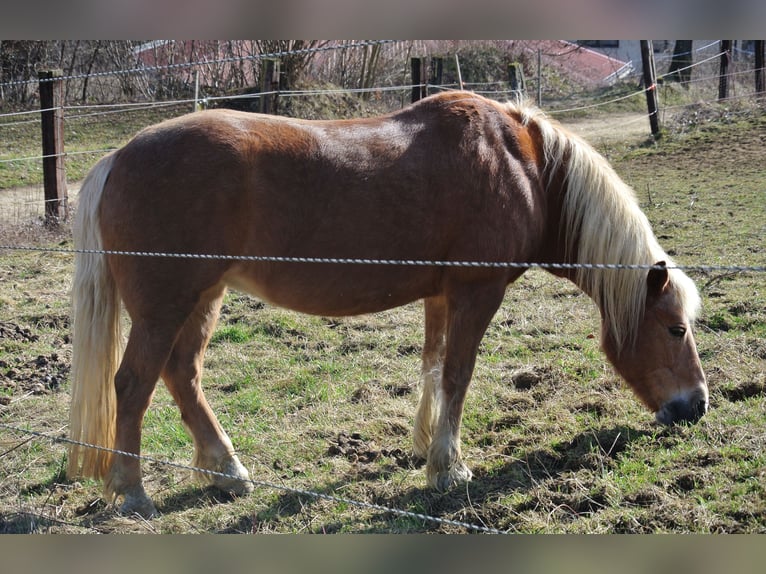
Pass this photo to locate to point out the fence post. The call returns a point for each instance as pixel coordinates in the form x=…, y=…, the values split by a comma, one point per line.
x=723, y=82
x=650, y=85
x=516, y=77
x=459, y=74
x=760, y=84
x=417, y=69
x=197, y=106
x=437, y=70
x=54, y=174
x=539, y=78
x=269, y=86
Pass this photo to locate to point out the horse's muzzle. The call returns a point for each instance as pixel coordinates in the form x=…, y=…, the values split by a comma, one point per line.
x=683, y=410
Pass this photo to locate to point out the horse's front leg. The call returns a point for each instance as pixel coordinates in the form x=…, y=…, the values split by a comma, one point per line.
x=470, y=308
x=183, y=377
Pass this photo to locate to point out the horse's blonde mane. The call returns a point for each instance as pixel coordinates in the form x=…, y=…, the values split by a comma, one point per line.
x=604, y=224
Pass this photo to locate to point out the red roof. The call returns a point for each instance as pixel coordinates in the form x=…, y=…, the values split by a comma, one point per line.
x=584, y=64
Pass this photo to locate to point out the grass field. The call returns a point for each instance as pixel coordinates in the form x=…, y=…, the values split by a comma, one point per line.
x=556, y=441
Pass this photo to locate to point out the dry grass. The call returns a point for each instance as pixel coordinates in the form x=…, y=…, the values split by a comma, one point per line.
x=556, y=441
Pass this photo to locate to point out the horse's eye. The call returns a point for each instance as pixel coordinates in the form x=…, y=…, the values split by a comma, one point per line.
x=678, y=331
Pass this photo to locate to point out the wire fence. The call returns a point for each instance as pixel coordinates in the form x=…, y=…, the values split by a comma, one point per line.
x=553, y=266
x=262, y=483
x=25, y=201
x=352, y=46
x=142, y=69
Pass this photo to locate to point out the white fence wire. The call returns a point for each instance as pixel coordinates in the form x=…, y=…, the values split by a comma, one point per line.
x=393, y=262
x=264, y=484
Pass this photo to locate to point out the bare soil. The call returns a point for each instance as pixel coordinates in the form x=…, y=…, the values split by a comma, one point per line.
x=606, y=131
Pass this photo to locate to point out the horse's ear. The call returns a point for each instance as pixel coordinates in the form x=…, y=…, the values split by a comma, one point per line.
x=657, y=279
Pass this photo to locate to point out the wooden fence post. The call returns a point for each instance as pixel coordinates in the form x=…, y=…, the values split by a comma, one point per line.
x=417, y=70
x=436, y=72
x=760, y=84
x=516, y=77
x=539, y=78
x=459, y=74
x=650, y=85
x=723, y=82
x=269, y=86
x=54, y=174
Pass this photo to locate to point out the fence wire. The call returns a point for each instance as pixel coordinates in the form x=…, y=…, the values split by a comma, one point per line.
x=136, y=106
x=391, y=262
x=265, y=484
x=203, y=62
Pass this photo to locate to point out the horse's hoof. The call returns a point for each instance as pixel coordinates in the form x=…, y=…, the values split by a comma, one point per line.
x=237, y=480
x=446, y=479
x=141, y=505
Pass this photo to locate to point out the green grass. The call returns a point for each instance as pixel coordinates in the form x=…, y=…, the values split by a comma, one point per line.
x=232, y=334
x=81, y=134
x=556, y=441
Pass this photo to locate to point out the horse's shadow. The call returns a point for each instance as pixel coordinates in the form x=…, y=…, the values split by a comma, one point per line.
x=593, y=450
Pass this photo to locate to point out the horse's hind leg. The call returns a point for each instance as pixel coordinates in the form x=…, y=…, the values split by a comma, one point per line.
x=432, y=364
x=470, y=308
x=147, y=350
x=183, y=376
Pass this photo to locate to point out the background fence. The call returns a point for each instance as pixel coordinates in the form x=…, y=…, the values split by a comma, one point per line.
x=98, y=84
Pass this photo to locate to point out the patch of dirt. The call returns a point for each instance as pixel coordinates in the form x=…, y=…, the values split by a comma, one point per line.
x=606, y=130
x=16, y=332
x=357, y=450
x=371, y=391
x=350, y=347
x=744, y=391
x=689, y=481
x=599, y=408
x=570, y=496
x=647, y=496
x=406, y=350
x=39, y=376
x=528, y=377
x=632, y=129
x=59, y=322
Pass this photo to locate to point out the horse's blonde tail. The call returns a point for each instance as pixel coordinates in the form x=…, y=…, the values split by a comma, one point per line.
x=97, y=338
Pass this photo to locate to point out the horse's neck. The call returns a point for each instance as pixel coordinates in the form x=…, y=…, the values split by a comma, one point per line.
x=565, y=247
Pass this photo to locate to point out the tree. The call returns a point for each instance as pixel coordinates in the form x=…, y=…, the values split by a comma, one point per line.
x=294, y=56
x=370, y=56
x=680, y=66
x=19, y=61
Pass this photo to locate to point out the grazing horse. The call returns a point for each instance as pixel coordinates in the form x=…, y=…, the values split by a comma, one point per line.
x=454, y=177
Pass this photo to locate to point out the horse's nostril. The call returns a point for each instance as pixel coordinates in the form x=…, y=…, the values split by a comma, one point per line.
x=682, y=411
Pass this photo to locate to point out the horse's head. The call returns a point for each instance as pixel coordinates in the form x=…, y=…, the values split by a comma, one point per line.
x=662, y=366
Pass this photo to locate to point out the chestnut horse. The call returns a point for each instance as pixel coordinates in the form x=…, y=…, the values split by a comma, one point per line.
x=454, y=177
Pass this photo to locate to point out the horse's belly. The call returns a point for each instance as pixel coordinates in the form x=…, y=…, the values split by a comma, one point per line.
x=334, y=289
